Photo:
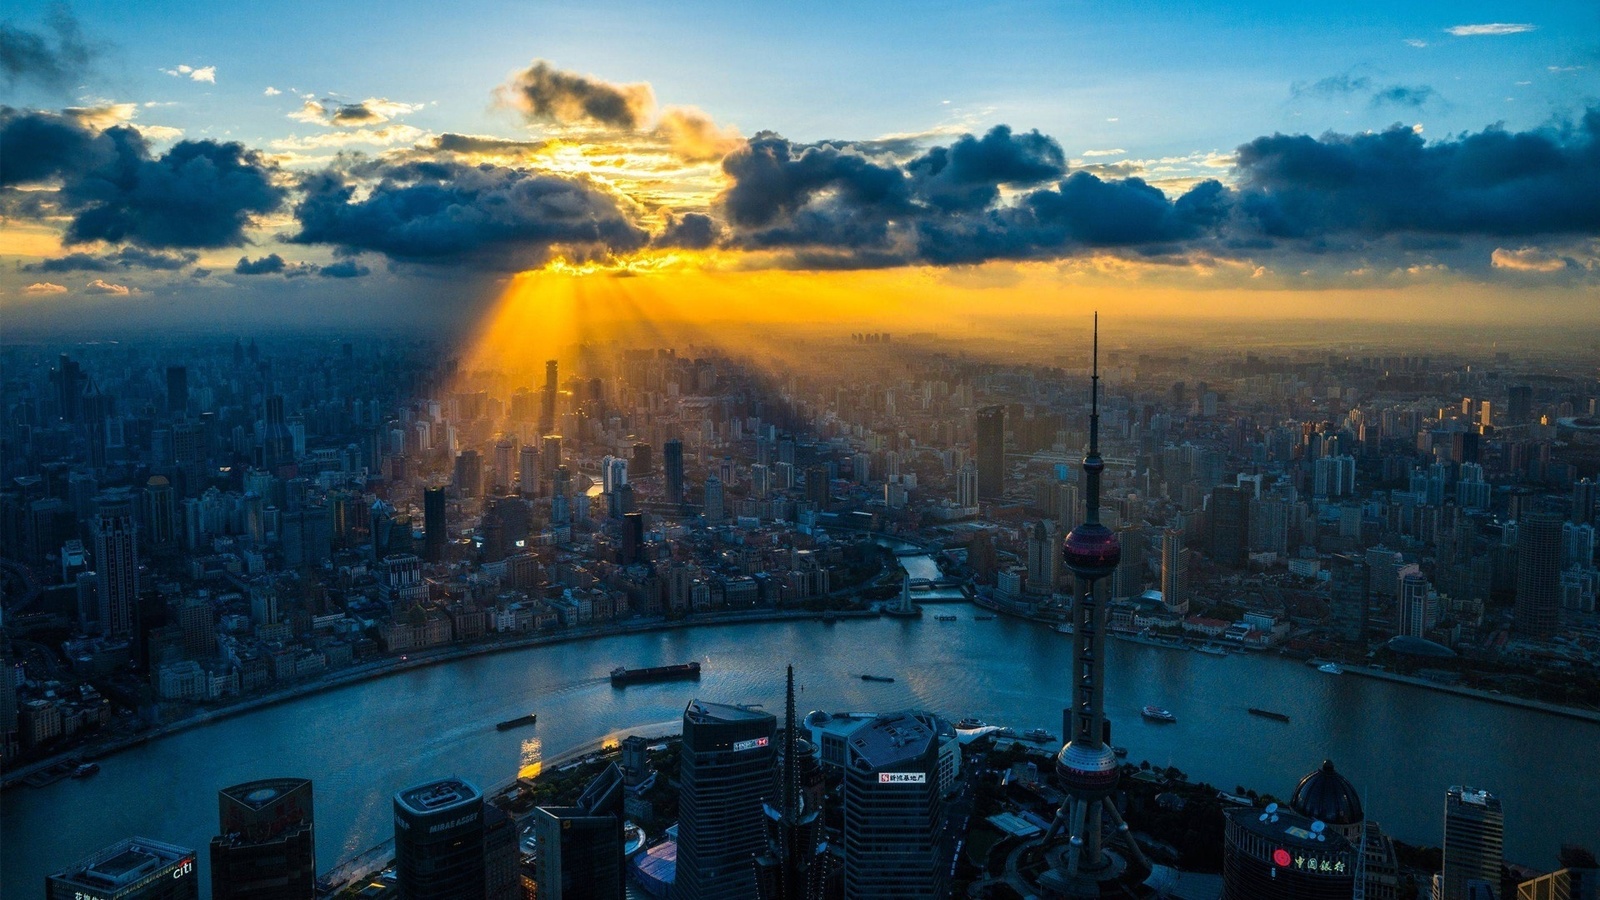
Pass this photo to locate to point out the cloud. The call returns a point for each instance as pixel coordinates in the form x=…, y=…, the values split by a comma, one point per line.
x=1490, y=28
x=691, y=231
x=101, y=286
x=693, y=136
x=543, y=93
x=371, y=111
x=124, y=258
x=382, y=136
x=1415, y=42
x=55, y=64
x=1117, y=152
x=446, y=212
x=271, y=91
x=45, y=287
x=450, y=142
x=1332, y=86
x=99, y=118
x=344, y=269
x=968, y=173
x=1401, y=95
x=1528, y=259
x=196, y=194
x=271, y=264
x=207, y=74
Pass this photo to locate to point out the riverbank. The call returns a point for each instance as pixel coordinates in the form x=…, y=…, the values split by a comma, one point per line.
x=386, y=666
x=1571, y=712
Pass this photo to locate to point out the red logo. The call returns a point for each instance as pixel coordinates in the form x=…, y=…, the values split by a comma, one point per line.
x=1281, y=857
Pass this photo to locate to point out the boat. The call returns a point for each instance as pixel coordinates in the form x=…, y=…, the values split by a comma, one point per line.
x=883, y=678
x=1212, y=650
x=518, y=722
x=1120, y=752
x=1330, y=668
x=85, y=770
x=1157, y=714
x=1268, y=714
x=1149, y=639
x=983, y=618
x=622, y=676
x=1038, y=735
x=945, y=618
x=1064, y=628
x=969, y=723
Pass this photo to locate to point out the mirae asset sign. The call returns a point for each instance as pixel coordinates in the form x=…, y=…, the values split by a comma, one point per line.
x=902, y=778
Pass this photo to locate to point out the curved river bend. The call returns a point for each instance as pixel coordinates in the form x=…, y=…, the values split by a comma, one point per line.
x=1402, y=745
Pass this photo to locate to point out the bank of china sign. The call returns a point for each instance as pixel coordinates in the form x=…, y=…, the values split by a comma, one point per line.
x=902, y=778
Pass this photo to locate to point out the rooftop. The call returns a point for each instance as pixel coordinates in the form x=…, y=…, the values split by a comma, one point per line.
x=890, y=739
x=437, y=795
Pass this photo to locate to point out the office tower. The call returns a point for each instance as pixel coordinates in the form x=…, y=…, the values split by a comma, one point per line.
x=266, y=847
x=760, y=481
x=468, y=474
x=1068, y=507
x=116, y=561
x=632, y=538
x=528, y=470
x=819, y=492
x=504, y=463
x=1519, y=408
x=1174, y=572
x=69, y=381
x=1229, y=527
x=449, y=844
x=1278, y=854
x=613, y=473
x=549, y=456
x=1328, y=797
x=131, y=869
x=991, y=452
x=725, y=773
x=796, y=864
x=1583, y=502
x=1044, y=563
x=547, y=404
x=713, y=504
x=1086, y=766
x=1333, y=477
x=1417, y=605
x=580, y=846
x=159, y=510
x=1577, y=879
x=177, y=389
x=435, y=530
x=1474, y=830
x=672, y=463
x=277, y=442
x=1538, y=608
x=643, y=463
x=893, y=811
x=1347, y=597
x=967, y=485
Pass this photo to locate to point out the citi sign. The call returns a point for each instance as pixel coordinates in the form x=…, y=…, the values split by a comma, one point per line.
x=902, y=778
x=184, y=868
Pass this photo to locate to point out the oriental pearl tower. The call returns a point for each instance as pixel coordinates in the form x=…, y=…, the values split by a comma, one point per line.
x=1086, y=765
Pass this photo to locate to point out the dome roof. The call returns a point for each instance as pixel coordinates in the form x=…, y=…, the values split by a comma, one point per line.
x=1091, y=550
x=1327, y=796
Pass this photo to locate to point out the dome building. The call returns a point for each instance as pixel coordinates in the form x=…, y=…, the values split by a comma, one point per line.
x=1329, y=797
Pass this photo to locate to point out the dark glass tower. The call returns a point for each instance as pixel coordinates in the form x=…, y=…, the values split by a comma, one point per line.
x=266, y=848
x=796, y=864
x=433, y=524
x=449, y=844
x=672, y=461
x=131, y=869
x=580, y=846
x=991, y=451
x=1538, y=610
x=725, y=775
x=1086, y=765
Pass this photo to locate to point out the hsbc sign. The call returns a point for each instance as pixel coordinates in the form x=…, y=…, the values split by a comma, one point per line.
x=750, y=745
x=902, y=778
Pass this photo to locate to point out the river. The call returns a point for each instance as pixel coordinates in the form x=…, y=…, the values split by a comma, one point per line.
x=1401, y=745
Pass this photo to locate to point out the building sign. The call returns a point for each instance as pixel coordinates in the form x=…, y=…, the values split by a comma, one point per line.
x=750, y=745
x=902, y=778
x=186, y=867
x=453, y=823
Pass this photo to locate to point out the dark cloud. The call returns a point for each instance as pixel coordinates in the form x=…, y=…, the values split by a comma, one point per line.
x=692, y=231
x=56, y=64
x=196, y=194
x=543, y=92
x=356, y=114
x=1401, y=95
x=1332, y=86
x=785, y=195
x=348, y=268
x=472, y=143
x=446, y=212
x=271, y=264
x=967, y=175
x=124, y=258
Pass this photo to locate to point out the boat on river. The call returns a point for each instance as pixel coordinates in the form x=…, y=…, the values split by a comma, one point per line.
x=86, y=770
x=1268, y=714
x=1212, y=650
x=1330, y=668
x=883, y=678
x=622, y=676
x=1157, y=714
x=518, y=722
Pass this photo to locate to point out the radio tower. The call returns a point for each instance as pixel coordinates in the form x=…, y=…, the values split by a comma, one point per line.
x=1086, y=766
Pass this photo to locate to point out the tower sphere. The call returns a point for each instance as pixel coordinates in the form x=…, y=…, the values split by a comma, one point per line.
x=1091, y=550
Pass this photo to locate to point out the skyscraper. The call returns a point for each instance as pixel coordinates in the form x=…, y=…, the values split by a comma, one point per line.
x=580, y=846
x=528, y=470
x=1474, y=831
x=672, y=462
x=714, y=504
x=1538, y=609
x=1174, y=572
x=469, y=474
x=893, y=811
x=1229, y=526
x=1086, y=766
x=1347, y=597
x=967, y=485
x=796, y=864
x=116, y=559
x=435, y=529
x=131, y=869
x=643, y=463
x=1044, y=562
x=266, y=847
x=1278, y=854
x=991, y=451
x=449, y=844
x=177, y=389
x=547, y=404
x=1418, y=605
x=725, y=775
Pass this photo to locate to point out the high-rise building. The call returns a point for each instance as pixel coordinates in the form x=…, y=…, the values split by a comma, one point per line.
x=449, y=844
x=131, y=869
x=1044, y=562
x=1278, y=854
x=177, y=389
x=725, y=774
x=1174, y=572
x=1577, y=879
x=277, y=442
x=549, y=456
x=1584, y=495
x=1538, y=609
x=991, y=455
x=1519, y=406
x=796, y=864
x=714, y=502
x=672, y=463
x=1229, y=526
x=69, y=381
x=1086, y=766
x=116, y=561
x=434, y=527
x=1474, y=834
x=266, y=846
x=547, y=404
x=505, y=456
x=632, y=538
x=469, y=474
x=643, y=463
x=528, y=470
x=580, y=846
x=893, y=811
x=1347, y=597
x=1418, y=605
x=1328, y=797
x=967, y=485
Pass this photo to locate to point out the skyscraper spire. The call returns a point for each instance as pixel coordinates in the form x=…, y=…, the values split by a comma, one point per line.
x=791, y=766
x=796, y=864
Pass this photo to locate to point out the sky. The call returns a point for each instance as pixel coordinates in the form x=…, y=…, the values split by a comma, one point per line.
x=415, y=162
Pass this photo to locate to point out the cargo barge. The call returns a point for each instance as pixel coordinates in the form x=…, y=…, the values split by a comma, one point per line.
x=622, y=676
